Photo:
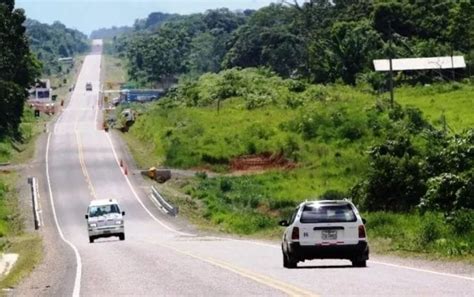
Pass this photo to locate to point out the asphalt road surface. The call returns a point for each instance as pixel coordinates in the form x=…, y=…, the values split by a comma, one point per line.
x=158, y=258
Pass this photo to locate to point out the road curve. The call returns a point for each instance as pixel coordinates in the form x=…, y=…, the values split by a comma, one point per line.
x=158, y=259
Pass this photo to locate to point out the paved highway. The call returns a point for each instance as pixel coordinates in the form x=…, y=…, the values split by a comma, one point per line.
x=158, y=258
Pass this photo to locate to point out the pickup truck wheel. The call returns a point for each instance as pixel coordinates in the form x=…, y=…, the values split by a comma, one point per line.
x=122, y=236
x=91, y=239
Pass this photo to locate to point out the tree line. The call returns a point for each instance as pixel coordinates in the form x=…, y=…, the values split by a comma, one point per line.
x=27, y=50
x=50, y=42
x=322, y=41
x=18, y=68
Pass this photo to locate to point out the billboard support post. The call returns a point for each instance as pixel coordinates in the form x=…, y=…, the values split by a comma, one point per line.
x=390, y=62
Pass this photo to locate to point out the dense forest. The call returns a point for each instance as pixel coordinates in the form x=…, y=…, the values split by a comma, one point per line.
x=51, y=42
x=151, y=23
x=108, y=33
x=320, y=41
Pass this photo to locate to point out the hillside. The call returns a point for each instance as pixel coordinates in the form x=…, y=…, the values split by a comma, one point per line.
x=337, y=140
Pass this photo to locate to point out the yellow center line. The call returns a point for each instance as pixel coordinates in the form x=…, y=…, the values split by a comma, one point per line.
x=257, y=277
x=83, y=163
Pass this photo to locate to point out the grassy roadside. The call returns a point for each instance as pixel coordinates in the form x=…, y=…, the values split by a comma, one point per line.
x=13, y=237
x=114, y=73
x=327, y=130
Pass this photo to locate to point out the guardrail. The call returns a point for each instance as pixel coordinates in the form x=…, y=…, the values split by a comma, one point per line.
x=172, y=210
x=36, y=206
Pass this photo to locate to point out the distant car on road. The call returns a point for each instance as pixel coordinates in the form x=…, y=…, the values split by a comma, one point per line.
x=88, y=86
x=326, y=229
x=104, y=219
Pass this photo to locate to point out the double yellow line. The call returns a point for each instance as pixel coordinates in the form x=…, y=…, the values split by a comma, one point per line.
x=83, y=163
x=289, y=289
x=259, y=278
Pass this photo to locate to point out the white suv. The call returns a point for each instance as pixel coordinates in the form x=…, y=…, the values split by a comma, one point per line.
x=325, y=229
x=104, y=219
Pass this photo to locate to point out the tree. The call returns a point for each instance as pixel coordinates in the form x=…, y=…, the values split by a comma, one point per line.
x=346, y=51
x=268, y=39
x=18, y=67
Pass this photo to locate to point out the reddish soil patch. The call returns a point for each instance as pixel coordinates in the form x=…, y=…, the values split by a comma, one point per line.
x=260, y=162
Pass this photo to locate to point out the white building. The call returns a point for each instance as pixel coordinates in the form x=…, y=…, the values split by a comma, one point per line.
x=41, y=92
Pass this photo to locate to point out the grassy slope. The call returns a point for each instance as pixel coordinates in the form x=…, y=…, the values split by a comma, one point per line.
x=114, y=72
x=455, y=102
x=190, y=137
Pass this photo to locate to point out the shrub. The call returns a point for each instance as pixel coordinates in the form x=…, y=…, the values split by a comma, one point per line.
x=225, y=185
x=462, y=221
x=442, y=192
x=333, y=195
x=296, y=86
x=395, y=180
x=201, y=175
x=430, y=229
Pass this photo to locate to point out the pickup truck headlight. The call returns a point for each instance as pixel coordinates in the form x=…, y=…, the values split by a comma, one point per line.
x=92, y=225
x=119, y=222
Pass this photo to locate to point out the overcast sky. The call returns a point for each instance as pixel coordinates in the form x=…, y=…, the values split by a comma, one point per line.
x=86, y=15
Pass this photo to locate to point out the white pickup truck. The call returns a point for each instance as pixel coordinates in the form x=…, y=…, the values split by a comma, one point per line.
x=105, y=219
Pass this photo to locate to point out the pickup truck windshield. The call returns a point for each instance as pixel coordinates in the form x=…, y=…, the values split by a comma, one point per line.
x=96, y=211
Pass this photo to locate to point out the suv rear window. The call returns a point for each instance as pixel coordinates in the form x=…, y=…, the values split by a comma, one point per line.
x=317, y=213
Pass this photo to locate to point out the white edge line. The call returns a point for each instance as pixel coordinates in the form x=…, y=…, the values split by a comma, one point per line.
x=138, y=198
x=77, y=280
x=371, y=261
x=424, y=270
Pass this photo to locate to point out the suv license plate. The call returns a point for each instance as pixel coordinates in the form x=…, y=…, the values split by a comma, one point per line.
x=329, y=235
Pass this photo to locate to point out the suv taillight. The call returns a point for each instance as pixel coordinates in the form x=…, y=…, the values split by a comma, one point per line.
x=362, y=231
x=295, y=234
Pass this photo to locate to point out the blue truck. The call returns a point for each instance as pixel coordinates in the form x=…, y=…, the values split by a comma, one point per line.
x=130, y=95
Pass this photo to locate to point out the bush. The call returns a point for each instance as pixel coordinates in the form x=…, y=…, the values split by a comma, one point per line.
x=333, y=195
x=395, y=181
x=442, y=192
x=462, y=221
x=430, y=229
x=296, y=86
x=225, y=185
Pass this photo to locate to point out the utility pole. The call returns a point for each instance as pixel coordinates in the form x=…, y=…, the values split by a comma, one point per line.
x=390, y=57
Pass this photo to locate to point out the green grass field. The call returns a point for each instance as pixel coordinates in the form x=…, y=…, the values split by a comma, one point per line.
x=325, y=130
x=454, y=102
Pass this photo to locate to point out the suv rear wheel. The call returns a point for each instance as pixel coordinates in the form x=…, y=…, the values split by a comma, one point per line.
x=91, y=239
x=288, y=261
x=122, y=236
x=359, y=263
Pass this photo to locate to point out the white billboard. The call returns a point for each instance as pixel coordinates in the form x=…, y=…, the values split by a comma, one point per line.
x=447, y=62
